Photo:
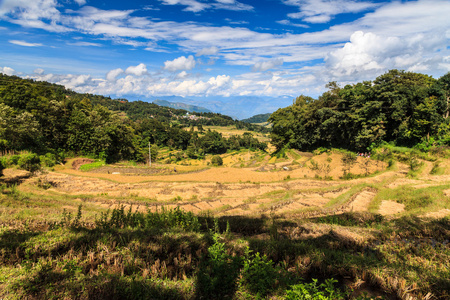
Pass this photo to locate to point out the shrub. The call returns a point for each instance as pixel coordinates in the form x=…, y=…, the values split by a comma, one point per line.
x=323, y=291
x=217, y=274
x=165, y=219
x=216, y=160
x=9, y=161
x=30, y=162
x=1, y=168
x=48, y=160
x=258, y=275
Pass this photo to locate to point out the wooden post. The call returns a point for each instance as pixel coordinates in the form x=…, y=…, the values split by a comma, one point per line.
x=149, y=155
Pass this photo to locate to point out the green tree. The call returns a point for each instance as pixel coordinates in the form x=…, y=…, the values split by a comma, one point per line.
x=19, y=130
x=216, y=160
x=213, y=142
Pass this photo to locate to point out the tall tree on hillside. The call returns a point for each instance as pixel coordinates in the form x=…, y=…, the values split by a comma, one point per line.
x=18, y=131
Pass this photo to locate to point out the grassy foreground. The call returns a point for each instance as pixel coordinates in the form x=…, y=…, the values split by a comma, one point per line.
x=174, y=254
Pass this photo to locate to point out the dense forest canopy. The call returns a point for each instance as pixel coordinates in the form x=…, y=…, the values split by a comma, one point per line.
x=402, y=107
x=47, y=118
x=261, y=118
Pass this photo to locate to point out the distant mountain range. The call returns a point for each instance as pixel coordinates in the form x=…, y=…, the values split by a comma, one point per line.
x=239, y=107
x=180, y=105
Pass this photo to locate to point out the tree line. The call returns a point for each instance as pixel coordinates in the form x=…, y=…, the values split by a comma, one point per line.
x=405, y=108
x=47, y=118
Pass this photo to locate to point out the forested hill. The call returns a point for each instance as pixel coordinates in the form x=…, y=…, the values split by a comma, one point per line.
x=261, y=118
x=405, y=108
x=47, y=118
x=135, y=110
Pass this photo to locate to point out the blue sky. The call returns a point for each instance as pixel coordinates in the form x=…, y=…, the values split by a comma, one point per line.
x=220, y=48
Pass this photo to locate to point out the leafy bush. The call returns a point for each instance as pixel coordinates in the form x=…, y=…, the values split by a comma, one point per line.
x=258, y=274
x=48, y=160
x=218, y=273
x=323, y=291
x=216, y=160
x=9, y=161
x=1, y=168
x=30, y=162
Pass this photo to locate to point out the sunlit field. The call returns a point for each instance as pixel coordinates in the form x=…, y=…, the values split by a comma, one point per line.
x=257, y=226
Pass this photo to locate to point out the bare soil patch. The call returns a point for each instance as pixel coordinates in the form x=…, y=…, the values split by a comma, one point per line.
x=77, y=163
x=388, y=207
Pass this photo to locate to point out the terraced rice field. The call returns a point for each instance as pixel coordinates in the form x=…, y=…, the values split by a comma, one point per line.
x=287, y=188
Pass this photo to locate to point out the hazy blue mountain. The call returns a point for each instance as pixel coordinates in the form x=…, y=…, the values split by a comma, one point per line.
x=180, y=105
x=239, y=107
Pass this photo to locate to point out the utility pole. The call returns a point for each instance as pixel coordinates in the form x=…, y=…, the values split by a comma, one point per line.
x=149, y=155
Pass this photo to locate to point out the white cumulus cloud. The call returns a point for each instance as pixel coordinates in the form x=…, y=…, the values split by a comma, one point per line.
x=370, y=54
x=112, y=75
x=7, y=71
x=180, y=63
x=138, y=70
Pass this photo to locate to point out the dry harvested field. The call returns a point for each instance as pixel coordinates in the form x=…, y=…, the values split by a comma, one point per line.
x=228, y=131
x=383, y=232
x=290, y=187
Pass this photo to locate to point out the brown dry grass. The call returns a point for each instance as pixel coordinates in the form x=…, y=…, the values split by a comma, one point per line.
x=228, y=131
x=273, y=186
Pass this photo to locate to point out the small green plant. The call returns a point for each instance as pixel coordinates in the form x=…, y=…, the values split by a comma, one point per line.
x=165, y=219
x=320, y=150
x=217, y=276
x=348, y=159
x=436, y=170
x=67, y=220
x=258, y=274
x=414, y=162
x=177, y=198
x=43, y=184
x=313, y=290
x=314, y=165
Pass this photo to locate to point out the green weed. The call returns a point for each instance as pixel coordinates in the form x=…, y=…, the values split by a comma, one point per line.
x=313, y=290
x=91, y=166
